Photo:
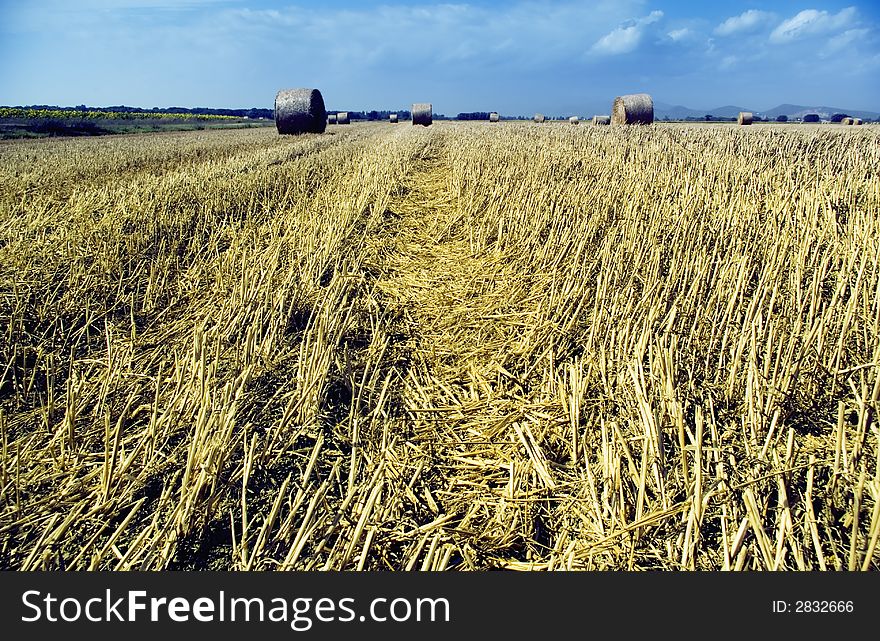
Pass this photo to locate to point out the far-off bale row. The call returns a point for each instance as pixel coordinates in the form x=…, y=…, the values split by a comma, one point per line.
x=392, y=118
x=574, y=120
x=601, y=120
x=745, y=118
x=539, y=118
x=494, y=117
x=299, y=111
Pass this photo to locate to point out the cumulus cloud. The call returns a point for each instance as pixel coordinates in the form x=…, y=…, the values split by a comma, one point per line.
x=728, y=62
x=811, y=22
x=678, y=35
x=846, y=40
x=744, y=22
x=625, y=39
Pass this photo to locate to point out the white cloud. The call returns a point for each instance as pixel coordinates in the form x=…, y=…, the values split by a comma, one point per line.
x=728, y=62
x=812, y=22
x=625, y=38
x=744, y=22
x=847, y=39
x=678, y=35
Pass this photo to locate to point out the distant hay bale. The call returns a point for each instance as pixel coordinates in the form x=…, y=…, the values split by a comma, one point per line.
x=856, y=121
x=422, y=113
x=633, y=109
x=745, y=117
x=392, y=118
x=299, y=111
x=847, y=121
x=493, y=117
x=342, y=118
x=331, y=119
x=538, y=118
x=601, y=120
x=574, y=120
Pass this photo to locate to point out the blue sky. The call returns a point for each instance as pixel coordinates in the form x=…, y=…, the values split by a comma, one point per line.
x=515, y=57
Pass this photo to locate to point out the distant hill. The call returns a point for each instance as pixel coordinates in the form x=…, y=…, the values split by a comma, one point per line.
x=679, y=112
x=675, y=112
x=664, y=110
x=798, y=111
x=728, y=111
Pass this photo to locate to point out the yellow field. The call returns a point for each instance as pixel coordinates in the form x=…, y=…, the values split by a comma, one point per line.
x=467, y=346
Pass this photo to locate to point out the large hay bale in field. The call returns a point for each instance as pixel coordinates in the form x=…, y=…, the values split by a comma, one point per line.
x=847, y=121
x=342, y=118
x=494, y=117
x=299, y=111
x=633, y=109
x=745, y=118
x=601, y=120
x=392, y=118
x=331, y=119
x=422, y=113
x=856, y=121
x=538, y=118
x=573, y=120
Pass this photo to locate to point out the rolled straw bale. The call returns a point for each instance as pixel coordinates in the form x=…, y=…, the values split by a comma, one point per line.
x=331, y=119
x=300, y=111
x=342, y=118
x=493, y=117
x=422, y=113
x=745, y=117
x=601, y=120
x=538, y=118
x=392, y=118
x=633, y=109
x=856, y=121
x=847, y=121
x=573, y=120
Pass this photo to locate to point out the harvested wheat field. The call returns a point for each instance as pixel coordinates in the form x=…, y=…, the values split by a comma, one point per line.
x=446, y=348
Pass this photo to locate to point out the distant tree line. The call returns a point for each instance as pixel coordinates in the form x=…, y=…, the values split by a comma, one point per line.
x=402, y=114
x=202, y=111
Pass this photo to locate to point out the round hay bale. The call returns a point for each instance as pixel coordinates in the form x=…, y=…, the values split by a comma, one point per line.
x=422, y=113
x=299, y=111
x=392, y=118
x=856, y=121
x=745, y=117
x=633, y=109
x=331, y=119
x=601, y=120
x=342, y=118
x=847, y=121
x=493, y=117
x=574, y=120
x=539, y=118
